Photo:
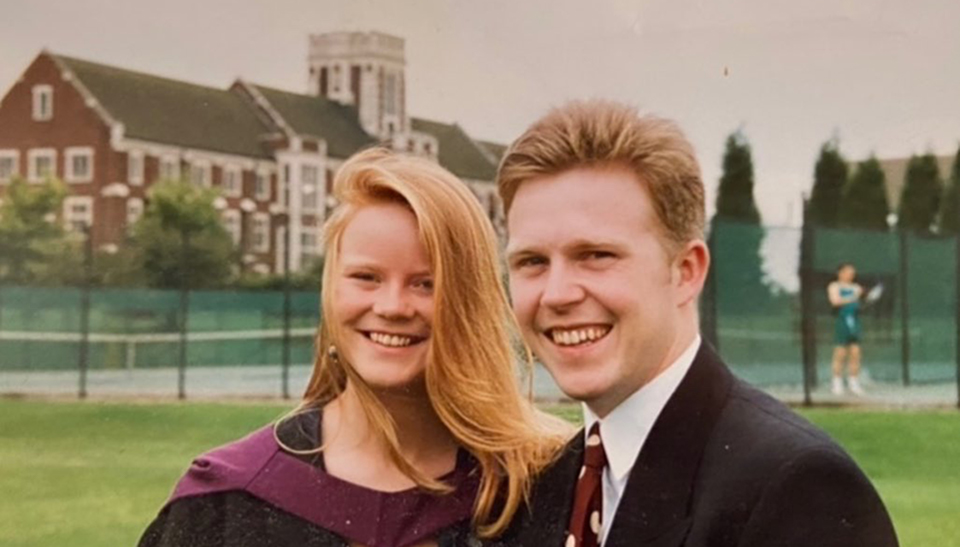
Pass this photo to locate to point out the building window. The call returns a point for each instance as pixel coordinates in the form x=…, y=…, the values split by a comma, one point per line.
x=79, y=164
x=77, y=212
x=169, y=168
x=134, y=211
x=262, y=186
x=232, y=181
x=42, y=103
x=42, y=164
x=135, y=168
x=9, y=164
x=308, y=240
x=231, y=221
x=260, y=232
x=309, y=249
x=390, y=94
x=279, y=249
x=309, y=184
x=200, y=173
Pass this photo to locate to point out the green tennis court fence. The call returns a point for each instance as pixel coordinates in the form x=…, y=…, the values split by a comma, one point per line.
x=765, y=304
x=48, y=351
x=764, y=307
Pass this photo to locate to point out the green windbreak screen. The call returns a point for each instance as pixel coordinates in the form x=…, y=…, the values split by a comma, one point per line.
x=918, y=279
x=40, y=328
x=755, y=301
x=755, y=289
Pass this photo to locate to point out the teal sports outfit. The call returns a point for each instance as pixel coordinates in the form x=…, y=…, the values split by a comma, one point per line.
x=847, y=327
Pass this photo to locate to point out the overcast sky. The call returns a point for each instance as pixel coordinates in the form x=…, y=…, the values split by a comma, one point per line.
x=883, y=74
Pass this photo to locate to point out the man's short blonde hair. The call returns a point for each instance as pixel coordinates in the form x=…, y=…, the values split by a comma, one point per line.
x=604, y=134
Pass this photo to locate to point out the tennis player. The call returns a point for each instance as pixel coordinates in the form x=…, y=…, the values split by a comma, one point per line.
x=844, y=295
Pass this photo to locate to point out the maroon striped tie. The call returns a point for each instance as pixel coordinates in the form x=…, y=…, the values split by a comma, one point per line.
x=584, y=528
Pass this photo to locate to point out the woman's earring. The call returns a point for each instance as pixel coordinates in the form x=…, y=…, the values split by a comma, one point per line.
x=332, y=353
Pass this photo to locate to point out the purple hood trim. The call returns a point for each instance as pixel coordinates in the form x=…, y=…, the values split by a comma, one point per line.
x=257, y=465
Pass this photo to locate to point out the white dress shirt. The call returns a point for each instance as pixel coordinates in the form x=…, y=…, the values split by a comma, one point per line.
x=626, y=428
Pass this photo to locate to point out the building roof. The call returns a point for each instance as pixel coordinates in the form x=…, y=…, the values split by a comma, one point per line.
x=895, y=172
x=495, y=149
x=459, y=153
x=162, y=110
x=337, y=124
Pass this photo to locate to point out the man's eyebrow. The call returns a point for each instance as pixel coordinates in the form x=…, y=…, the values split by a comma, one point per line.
x=513, y=251
x=583, y=244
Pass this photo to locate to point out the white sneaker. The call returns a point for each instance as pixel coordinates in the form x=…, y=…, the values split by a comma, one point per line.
x=837, y=386
x=855, y=386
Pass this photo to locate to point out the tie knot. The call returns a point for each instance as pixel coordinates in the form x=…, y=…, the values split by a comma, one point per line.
x=595, y=456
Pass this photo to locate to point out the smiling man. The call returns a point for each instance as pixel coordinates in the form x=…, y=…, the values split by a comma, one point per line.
x=605, y=220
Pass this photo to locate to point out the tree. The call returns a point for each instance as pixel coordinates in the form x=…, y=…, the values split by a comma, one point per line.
x=736, y=234
x=29, y=234
x=309, y=278
x=950, y=208
x=864, y=202
x=735, y=195
x=180, y=237
x=829, y=180
x=920, y=199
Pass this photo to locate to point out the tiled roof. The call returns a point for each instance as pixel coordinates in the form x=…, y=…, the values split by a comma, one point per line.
x=895, y=172
x=167, y=111
x=459, y=153
x=174, y=112
x=333, y=122
x=495, y=149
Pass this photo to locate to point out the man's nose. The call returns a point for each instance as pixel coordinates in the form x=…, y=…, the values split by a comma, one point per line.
x=562, y=287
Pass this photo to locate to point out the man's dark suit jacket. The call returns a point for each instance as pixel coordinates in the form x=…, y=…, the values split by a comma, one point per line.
x=724, y=465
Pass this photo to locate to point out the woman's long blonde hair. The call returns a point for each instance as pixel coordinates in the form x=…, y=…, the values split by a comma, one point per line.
x=470, y=377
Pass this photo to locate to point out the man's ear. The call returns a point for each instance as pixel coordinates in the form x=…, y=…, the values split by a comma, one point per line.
x=690, y=266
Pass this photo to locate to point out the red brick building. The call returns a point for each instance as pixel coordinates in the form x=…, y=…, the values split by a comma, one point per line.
x=110, y=133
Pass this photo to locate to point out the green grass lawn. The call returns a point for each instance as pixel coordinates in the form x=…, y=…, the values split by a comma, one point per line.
x=94, y=474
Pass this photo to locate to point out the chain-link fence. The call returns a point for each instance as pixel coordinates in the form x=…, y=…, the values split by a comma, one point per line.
x=154, y=342
x=765, y=307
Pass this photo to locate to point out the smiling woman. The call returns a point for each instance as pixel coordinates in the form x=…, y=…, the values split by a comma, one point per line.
x=383, y=298
x=412, y=430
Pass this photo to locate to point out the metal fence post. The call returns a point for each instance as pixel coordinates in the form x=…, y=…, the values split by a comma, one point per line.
x=1, y=307
x=285, y=363
x=184, y=314
x=808, y=318
x=904, y=306
x=956, y=310
x=83, y=350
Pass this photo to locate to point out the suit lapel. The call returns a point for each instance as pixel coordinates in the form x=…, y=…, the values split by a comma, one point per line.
x=654, y=509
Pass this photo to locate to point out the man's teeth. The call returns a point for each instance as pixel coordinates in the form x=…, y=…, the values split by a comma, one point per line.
x=392, y=340
x=578, y=336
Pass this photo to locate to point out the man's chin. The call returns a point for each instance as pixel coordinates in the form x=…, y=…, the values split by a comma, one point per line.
x=582, y=389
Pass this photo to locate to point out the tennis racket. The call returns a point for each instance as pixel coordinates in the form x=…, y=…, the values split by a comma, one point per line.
x=874, y=294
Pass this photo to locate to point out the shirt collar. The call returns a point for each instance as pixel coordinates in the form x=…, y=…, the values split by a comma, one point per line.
x=626, y=428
